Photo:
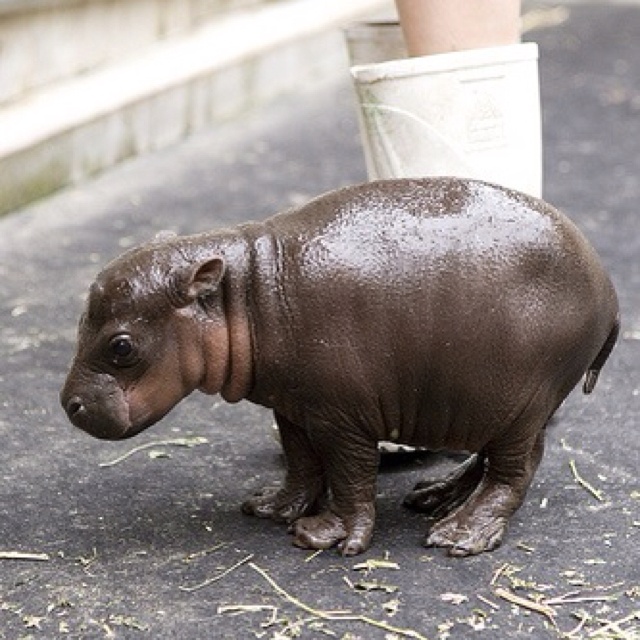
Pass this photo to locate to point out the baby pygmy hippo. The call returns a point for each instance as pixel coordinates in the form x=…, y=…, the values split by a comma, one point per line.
x=442, y=313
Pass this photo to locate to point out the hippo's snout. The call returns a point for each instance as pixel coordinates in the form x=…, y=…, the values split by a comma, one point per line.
x=97, y=407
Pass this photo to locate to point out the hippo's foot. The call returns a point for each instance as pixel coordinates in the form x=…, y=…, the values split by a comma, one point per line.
x=440, y=497
x=479, y=524
x=351, y=534
x=281, y=505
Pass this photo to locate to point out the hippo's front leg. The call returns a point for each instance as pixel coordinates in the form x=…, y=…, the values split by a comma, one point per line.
x=304, y=490
x=350, y=463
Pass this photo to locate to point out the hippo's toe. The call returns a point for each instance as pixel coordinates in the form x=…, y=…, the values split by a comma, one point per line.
x=326, y=530
x=281, y=505
x=460, y=540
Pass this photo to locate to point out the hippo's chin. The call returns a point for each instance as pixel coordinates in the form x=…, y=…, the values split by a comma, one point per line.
x=114, y=430
x=110, y=430
x=130, y=432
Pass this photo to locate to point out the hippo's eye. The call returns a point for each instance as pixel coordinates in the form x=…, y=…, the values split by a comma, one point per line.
x=121, y=349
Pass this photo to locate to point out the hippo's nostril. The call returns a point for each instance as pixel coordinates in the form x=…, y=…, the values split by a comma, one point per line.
x=75, y=407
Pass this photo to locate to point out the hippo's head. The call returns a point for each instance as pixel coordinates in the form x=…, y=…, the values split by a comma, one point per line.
x=153, y=331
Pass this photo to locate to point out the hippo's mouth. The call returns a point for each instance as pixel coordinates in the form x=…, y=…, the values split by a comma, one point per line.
x=113, y=415
x=132, y=431
x=99, y=423
x=141, y=422
x=109, y=427
x=106, y=416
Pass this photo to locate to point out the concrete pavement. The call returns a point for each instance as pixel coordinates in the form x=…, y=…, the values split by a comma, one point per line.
x=154, y=545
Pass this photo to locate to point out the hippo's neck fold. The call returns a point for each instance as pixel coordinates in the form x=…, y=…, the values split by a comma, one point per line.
x=236, y=359
x=271, y=315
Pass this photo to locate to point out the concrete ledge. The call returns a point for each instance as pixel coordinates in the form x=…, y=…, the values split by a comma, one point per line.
x=68, y=132
x=51, y=41
x=12, y=7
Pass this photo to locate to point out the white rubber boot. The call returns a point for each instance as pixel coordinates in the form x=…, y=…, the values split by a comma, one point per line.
x=473, y=113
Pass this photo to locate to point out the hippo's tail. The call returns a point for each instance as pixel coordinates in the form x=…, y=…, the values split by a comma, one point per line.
x=601, y=358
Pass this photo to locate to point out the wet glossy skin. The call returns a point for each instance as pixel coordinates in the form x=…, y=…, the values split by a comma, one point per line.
x=442, y=313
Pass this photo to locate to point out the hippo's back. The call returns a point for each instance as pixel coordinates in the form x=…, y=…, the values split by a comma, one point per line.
x=432, y=237
x=438, y=218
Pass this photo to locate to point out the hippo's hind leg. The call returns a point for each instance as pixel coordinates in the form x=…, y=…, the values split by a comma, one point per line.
x=439, y=497
x=480, y=522
x=351, y=465
x=304, y=490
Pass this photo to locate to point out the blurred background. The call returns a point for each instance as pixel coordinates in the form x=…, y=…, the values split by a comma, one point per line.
x=87, y=83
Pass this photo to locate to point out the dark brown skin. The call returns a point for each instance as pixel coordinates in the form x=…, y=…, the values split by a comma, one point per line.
x=444, y=313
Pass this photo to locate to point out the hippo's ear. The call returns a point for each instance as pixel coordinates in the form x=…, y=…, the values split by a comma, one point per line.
x=205, y=279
